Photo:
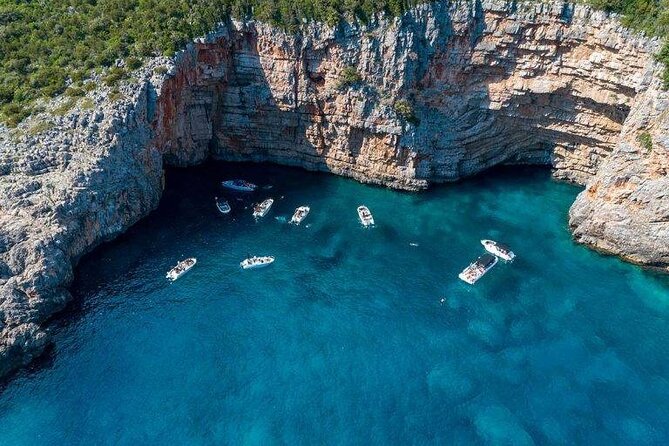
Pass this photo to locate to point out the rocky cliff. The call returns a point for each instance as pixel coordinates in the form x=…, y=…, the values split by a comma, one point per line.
x=443, y=92
x=624, y=209
x=484, y=83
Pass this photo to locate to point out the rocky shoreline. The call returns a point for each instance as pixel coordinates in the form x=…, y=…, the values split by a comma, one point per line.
x=443, y=92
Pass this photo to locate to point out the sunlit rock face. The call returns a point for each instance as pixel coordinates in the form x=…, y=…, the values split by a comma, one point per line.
x=443, y=92
x=624, y=209
x=486, y=83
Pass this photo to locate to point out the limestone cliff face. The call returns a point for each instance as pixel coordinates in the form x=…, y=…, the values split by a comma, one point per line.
x=445, y=91
x=624, y=209
x=82, y=182
x=489, y=83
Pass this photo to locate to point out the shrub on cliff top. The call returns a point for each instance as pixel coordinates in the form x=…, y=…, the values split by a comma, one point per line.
x=13, y=114
x=114, y=75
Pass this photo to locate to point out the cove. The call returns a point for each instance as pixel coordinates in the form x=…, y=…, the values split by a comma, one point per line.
x=345, y=339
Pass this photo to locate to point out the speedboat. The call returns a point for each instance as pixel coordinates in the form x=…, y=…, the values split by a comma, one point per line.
x=478, y=268
x=182, y=268
x=239, y=185
x=223, y=206
x=499, y=249
x=256, y=262
x=300, y=214
x=261, y=209
x=366, y=217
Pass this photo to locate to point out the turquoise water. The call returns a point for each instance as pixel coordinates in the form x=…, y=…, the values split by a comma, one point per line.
x=346, y=339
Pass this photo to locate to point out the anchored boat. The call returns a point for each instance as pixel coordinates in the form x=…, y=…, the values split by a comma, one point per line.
x=300, y=214
x=478, y=268
x=182, y=268
x=261, y=209
x=499, y=249
x=239, y=185
x=223, y=206
x=366, y=217
x=256, y=262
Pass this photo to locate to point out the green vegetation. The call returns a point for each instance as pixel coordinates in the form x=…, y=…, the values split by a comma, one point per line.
x=645, y=140
x=348, y=78
x=405, y=110
x=115, y=95
x=40, y=127
x=50, y=46
x=114, y=75
x=663, y=56
x=65, y=107
x=75, y=92
x=87, y=104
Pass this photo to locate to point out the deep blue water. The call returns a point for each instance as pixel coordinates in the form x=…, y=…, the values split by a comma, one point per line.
x=345, y=339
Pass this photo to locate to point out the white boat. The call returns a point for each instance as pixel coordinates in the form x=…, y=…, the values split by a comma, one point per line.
x=223, y=206
x=300, y=214
x=239, y=185
x=478, y=268
x=261, y=209
x=256, y=262
x=182, y=268
x=499, y=249
x=366, y=217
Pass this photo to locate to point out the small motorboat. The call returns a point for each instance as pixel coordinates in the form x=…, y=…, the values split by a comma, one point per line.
x=365, y=215
x=239, y=185
x=499, y=249
x=256, y=262
x=261, y=209
x=300, y=214
x=223, y=206
x=182, y=268
x=478, y=268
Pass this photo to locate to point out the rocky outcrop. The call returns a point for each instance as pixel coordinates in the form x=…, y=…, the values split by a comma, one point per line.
x=83, y=181
x=443, y=92
x=624, y=209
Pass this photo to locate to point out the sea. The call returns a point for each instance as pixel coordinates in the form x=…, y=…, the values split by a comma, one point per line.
x=353, y=335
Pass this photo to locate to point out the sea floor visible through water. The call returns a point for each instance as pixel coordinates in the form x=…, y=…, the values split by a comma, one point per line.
x=353, y=335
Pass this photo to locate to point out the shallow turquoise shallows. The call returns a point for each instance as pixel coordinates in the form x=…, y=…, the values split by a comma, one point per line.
x=353, y=335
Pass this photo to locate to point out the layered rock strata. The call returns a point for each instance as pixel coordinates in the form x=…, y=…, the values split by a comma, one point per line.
x=484, y=84
x=624, y=209
x=443, y=92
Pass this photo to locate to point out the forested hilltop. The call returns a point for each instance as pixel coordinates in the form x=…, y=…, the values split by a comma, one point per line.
x=49, y=47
